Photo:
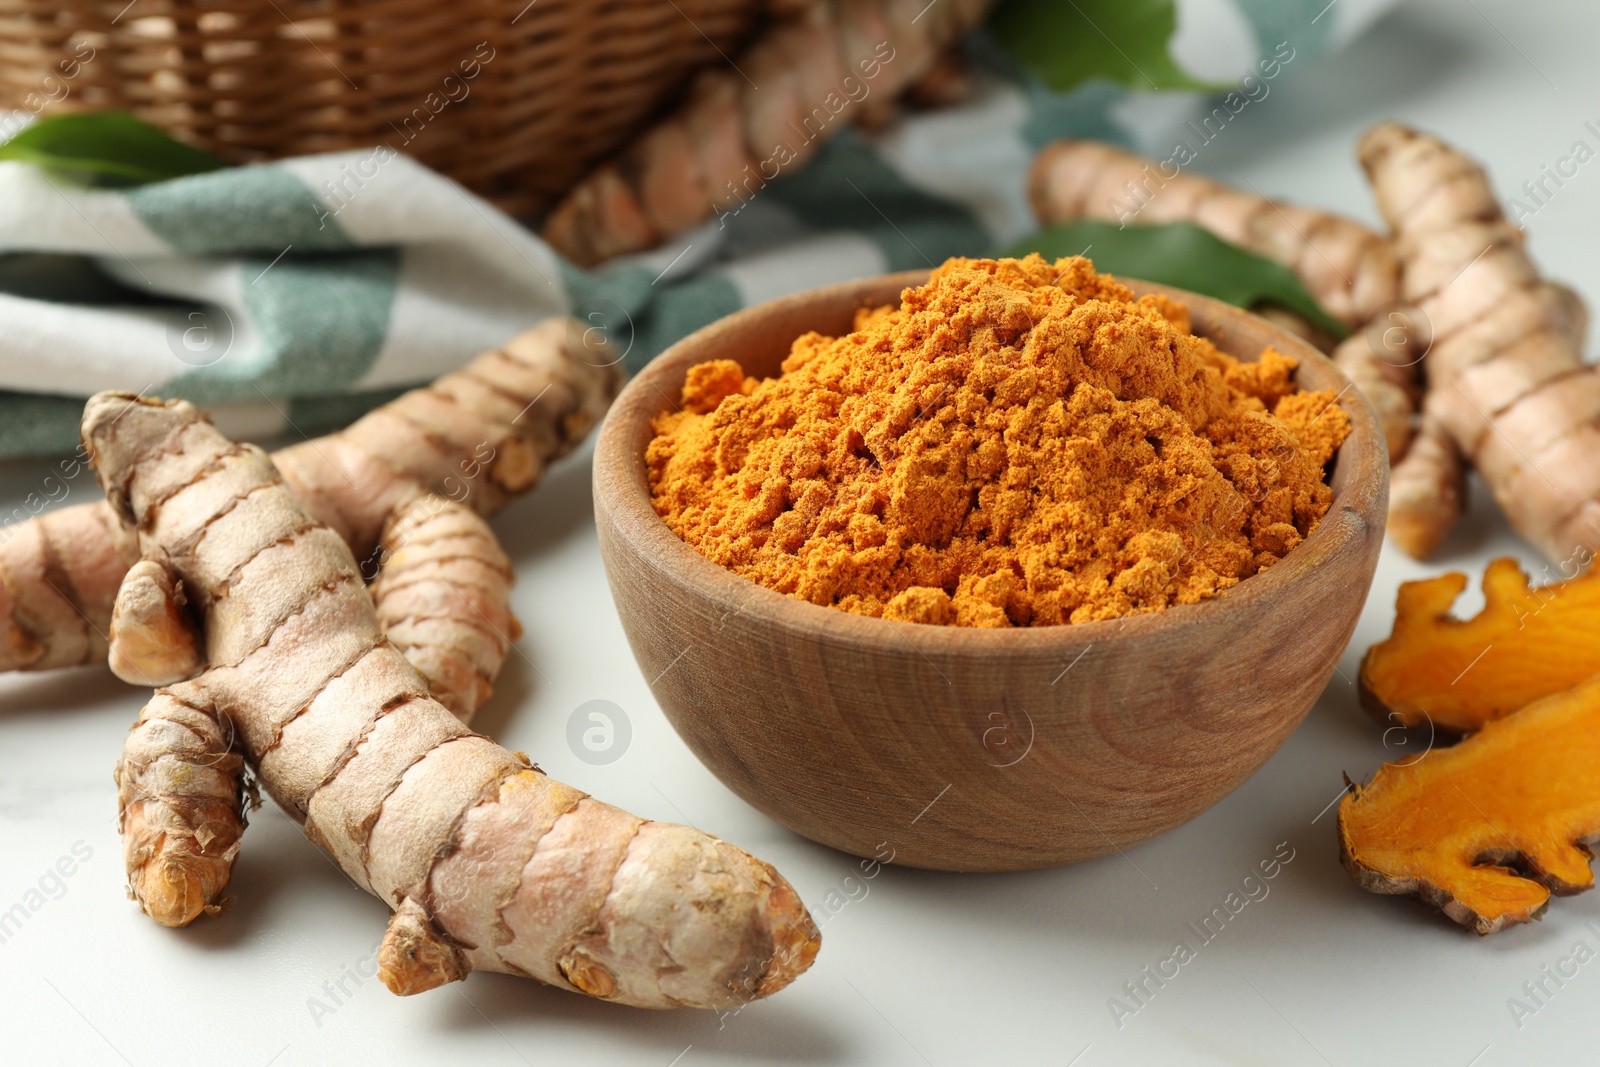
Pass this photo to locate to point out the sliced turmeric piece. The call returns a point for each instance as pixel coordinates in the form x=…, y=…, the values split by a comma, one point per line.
x=1488, y=829
x=1460, y=674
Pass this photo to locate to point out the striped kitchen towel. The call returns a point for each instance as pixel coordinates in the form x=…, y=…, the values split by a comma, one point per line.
x=289, y=297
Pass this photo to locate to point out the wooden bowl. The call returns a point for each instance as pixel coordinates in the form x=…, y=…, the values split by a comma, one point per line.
x=967, y=749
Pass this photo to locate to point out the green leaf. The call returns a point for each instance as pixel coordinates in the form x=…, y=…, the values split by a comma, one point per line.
x=1065, y=43
x=1181, y=254
x=109, y=147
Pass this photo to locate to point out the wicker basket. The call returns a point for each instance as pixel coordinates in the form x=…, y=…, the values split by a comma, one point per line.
x=516, y=99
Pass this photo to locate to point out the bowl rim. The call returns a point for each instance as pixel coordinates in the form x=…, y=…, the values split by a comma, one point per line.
x=622, y=491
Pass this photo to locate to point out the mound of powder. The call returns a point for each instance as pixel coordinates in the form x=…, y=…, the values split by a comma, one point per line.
x=1019, y=443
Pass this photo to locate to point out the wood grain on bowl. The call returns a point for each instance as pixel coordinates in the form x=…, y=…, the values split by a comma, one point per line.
x=964, y=749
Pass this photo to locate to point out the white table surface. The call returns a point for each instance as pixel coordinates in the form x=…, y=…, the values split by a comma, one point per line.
x=924, y=968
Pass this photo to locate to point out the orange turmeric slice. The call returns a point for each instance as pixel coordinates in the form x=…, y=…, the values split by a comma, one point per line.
x=1489, y=829
x=1459, y=674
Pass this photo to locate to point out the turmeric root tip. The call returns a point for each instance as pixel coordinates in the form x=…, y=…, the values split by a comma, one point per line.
x=1427, y=491
x=414, y=958
x=181, y=798
x=152, y=642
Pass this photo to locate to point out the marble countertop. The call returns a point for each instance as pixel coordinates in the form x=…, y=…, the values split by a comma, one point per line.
x=918, y=968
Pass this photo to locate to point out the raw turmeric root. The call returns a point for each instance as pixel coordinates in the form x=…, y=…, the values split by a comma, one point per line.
x=1427, y=490
x=1506, y=378
x=740, y=127
x=1350, y=269
x=404, y=486
x=1461, y=675
x=1387, y=379
x=1486, y=830
x=59, y=575
x=488, y=864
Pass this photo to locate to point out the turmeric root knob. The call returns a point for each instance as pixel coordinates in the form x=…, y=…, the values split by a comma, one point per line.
x=588, y=976
x=152, y=642
x=413, y=957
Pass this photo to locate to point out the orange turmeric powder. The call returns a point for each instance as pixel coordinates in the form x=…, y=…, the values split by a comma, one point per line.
x=1019, y=443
